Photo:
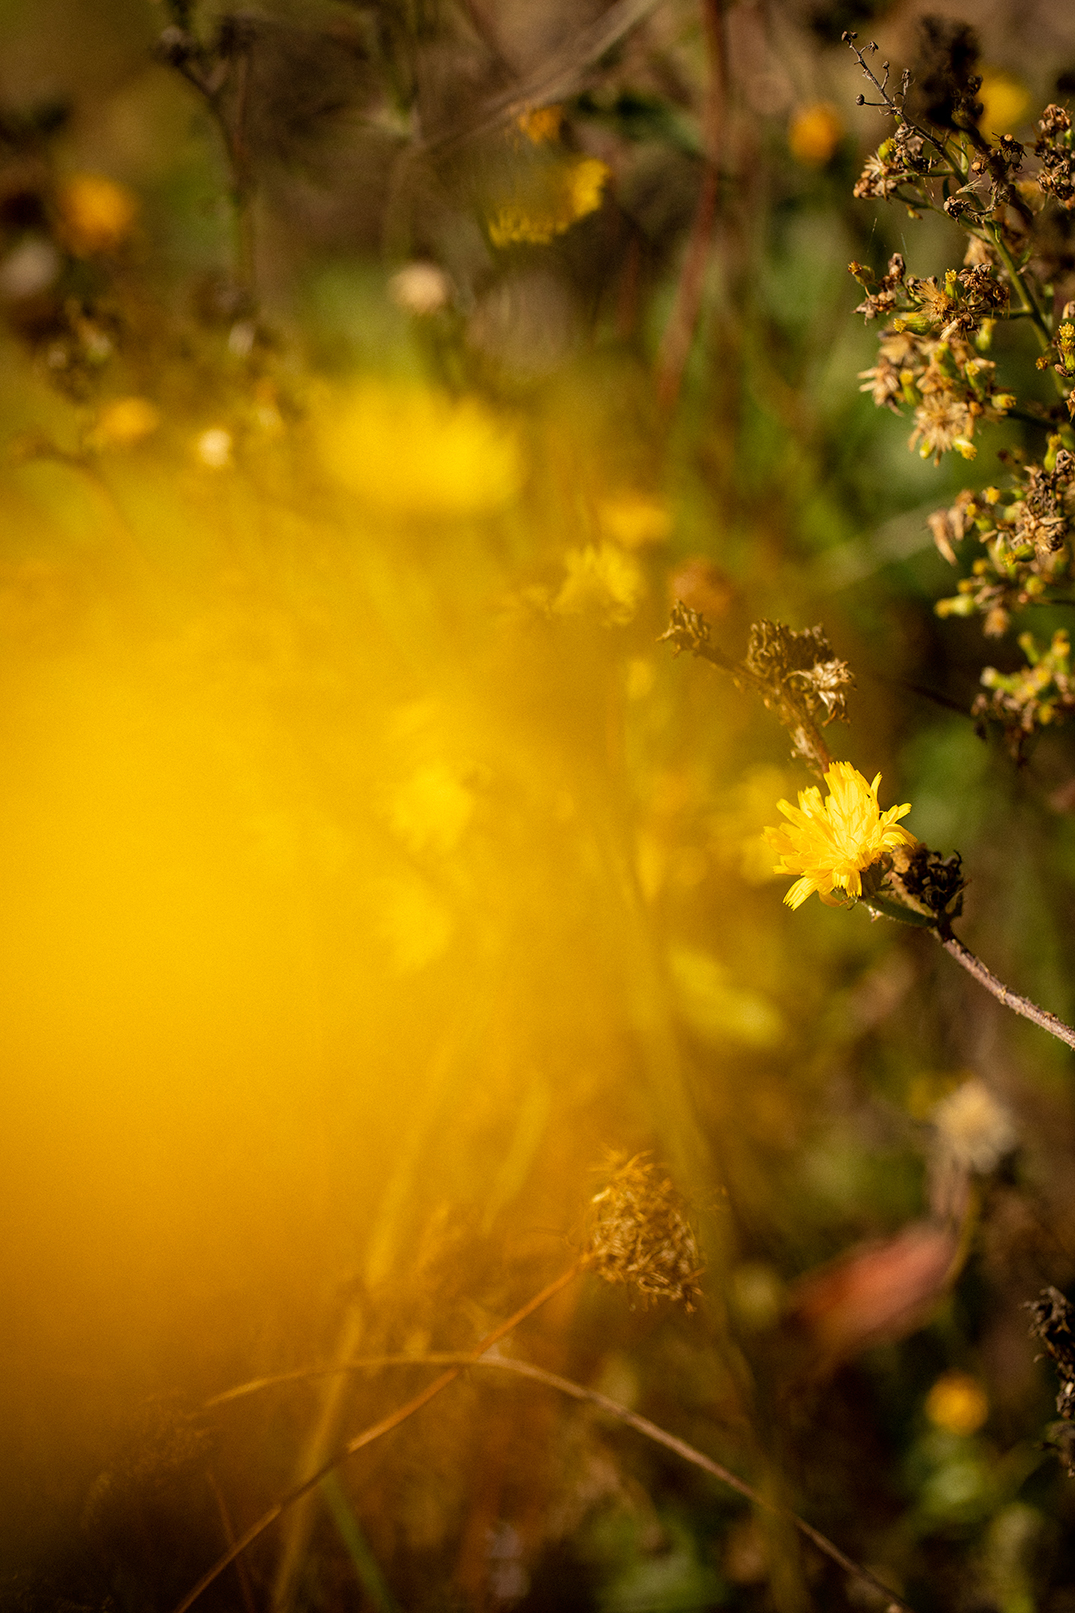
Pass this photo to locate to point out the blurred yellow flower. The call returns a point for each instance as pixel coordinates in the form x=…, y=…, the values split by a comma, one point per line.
x=412, y=451
x=830, y=842
x=634, y=520
x=541, y=124
x=814, y=133
x=957, y=1403
x=431, y=810
x=604, y=579
x=1005, y=101
x=553, y=199
x=96, y=214
x=125, y=421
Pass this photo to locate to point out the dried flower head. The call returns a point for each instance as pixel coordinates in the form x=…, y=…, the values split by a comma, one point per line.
x=974, y=1127
x=831, y=842
x=1051, y=1320
x=640, y=1236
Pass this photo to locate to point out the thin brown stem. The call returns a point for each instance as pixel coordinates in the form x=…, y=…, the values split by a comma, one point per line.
x=368, y=1435
x=679, y=333
x=1011, y=999
x=623, y=1414
x=245, y=1588
x=887, y=907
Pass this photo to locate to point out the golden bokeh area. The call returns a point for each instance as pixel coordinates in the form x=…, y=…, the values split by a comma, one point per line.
x=340, y=796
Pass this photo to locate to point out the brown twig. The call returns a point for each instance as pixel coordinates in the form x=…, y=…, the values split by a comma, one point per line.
x=1011, y=999
x=368, y=1435
x=679, y=332
x=613, y=1408
x=245, y=1588
x=940, y=928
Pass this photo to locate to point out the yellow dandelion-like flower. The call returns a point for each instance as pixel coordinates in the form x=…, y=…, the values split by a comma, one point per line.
x=830, y=842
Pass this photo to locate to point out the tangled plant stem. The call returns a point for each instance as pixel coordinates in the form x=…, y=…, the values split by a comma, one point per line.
x=576, y=1391
x=368, y=1435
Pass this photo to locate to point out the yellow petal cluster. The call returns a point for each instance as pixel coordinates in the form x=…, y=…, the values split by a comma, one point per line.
x=550, y=201
x=830, y=842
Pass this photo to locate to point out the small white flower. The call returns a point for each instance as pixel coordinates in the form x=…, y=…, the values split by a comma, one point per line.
x=975, y=1127
x=420, y=288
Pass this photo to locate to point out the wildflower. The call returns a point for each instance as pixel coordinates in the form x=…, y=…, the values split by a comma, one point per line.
x=413, y=451
x=96, y=214
x=541, y=125
x=814, y=134
x=974, y=1127
x=942, y=422
x=214, y=448
x=957, y=1403
x=831, y=842
x=602, y=578
x=124, y=422
x=420, y=288
x=551, y=202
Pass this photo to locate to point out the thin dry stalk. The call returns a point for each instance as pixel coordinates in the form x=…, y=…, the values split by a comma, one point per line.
x=642, y=1425
x=679, y=333
x=1011, y=999
x=246, y=1590
x=368, y=1435
x=560, y=75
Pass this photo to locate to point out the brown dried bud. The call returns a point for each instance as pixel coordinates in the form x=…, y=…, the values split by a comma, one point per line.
x=640, y=1236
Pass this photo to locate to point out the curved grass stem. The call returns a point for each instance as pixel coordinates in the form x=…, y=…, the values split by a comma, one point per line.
x=368, y=1435
x=642, y=1425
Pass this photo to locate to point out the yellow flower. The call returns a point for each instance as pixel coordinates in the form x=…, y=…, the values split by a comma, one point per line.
x=124, y=422
x=830, y=842
x=814, y=134
x=957, y=1403
x=96, y=213
x=549, y=201
x=541, y=124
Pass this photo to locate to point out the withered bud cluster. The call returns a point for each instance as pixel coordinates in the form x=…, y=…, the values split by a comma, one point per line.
x=1011, y=200
x=640, y=1236
x=930, y=880
x=794, y=670
x=931, y=353
x=1054, y=150
x=798, y=665
x=1024, y=531
x=1053, y=1322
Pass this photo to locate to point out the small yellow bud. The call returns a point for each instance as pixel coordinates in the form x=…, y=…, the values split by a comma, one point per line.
x=957, y=1403
x=96, y=214
x=814, y=134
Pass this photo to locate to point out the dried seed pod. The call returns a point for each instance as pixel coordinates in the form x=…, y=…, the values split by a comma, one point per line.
x=640, y=1236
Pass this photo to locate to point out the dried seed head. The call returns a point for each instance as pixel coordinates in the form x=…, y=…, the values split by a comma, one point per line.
x=639, y=1234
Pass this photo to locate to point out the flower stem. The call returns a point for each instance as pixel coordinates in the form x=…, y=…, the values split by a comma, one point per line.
x=1011, y=999
x=1026, y=296
x=969, y=960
